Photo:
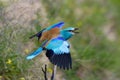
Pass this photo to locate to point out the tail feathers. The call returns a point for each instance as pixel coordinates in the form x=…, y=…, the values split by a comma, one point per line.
x=39, y=34
x=32, y=36
x=34, y=54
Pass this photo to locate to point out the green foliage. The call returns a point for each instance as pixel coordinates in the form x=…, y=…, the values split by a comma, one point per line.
x=92, y=47
x=93, y=53
x=12, y=64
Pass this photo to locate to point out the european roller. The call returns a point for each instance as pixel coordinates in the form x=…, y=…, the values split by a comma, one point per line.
x=55, y=44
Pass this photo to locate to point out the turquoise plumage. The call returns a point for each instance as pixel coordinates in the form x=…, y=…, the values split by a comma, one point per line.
x=57, y=49
x=39, y=34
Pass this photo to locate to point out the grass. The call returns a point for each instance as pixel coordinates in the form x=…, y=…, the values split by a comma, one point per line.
x=95, y=56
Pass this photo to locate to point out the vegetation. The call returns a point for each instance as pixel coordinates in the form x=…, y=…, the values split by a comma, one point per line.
x=95, y=50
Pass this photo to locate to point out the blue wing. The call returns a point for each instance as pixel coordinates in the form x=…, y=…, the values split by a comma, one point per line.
x=58, y=45
x=58, y=53
x=59, y=25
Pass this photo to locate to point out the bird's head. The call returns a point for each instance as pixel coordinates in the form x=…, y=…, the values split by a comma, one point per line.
x=69, y=32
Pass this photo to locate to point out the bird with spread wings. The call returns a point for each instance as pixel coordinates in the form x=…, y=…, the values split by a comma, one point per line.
x=54, y=42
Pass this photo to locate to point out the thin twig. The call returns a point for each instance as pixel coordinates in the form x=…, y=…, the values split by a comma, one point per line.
x=54, y=72
x=45, y=72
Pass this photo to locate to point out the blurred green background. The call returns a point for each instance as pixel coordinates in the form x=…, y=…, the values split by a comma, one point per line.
x=95, y=50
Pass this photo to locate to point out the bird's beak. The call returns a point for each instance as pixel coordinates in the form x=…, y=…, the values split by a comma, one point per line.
x=76, y=30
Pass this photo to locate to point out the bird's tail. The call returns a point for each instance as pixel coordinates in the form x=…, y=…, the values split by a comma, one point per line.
x=37, y=34
x=32, y=36
x=34, y=54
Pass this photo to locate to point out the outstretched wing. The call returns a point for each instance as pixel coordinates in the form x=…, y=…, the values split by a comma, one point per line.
x=39, y=34
x=58, y=53
x=57, y=25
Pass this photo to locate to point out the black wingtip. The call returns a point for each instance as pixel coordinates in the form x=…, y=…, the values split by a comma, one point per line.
x=63, y=61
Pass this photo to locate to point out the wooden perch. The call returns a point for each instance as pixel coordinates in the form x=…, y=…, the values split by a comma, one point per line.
x=53, y=73
x=45, y=72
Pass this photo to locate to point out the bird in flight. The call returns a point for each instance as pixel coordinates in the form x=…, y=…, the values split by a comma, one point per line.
x=54, y=42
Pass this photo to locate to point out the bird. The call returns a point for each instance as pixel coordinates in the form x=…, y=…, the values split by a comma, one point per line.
x=57, y=47
x=44, y=36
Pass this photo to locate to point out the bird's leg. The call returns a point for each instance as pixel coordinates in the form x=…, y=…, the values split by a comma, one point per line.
x=54, y=72
x=45, y=72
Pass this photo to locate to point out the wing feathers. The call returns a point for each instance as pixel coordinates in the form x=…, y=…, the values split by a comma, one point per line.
x=61, y=60
x=58, y=53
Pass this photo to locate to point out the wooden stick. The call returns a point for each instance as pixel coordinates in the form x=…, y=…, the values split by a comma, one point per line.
x=45, y=72
x=54, y=72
